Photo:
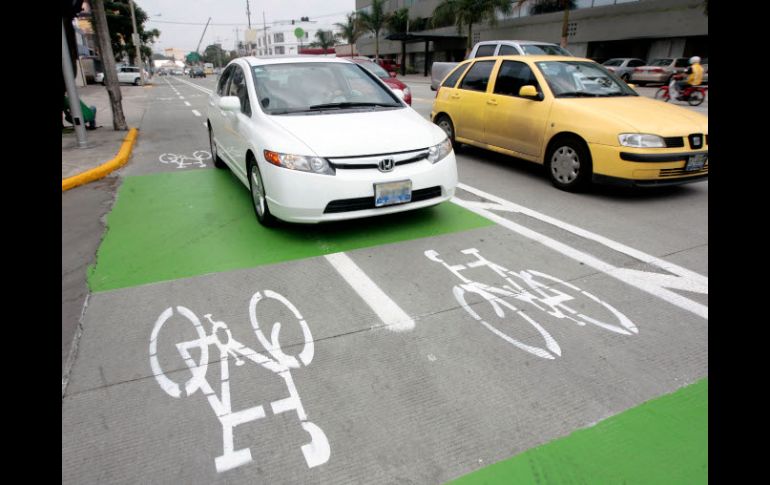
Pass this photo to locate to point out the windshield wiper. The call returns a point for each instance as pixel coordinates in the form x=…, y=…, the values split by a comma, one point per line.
x=578, y=94
x=350, y=105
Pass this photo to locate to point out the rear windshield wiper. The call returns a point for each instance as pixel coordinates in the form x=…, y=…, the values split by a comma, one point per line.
x=350, y=105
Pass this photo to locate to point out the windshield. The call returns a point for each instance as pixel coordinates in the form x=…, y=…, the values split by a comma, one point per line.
x=661, y=62
x=544, y=49
x=573, y=79
x=613, y=62
x=319, y=86
x=374, y=69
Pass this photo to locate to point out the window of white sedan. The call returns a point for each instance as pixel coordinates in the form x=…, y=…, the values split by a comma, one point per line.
x=575, y=79
x=309, y=88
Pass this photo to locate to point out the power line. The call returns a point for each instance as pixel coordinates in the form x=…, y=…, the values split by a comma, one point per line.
x=237, y=24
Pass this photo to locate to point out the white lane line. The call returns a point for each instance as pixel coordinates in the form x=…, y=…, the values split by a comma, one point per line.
x=196, y=86
x=181, y=97
x=187, y=103
x=195, y=112
x=656, y=284
x=205, y=124
x=385, y=308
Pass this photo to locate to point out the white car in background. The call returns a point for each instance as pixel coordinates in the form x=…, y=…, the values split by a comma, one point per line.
x=126, y=74
x=323, y=139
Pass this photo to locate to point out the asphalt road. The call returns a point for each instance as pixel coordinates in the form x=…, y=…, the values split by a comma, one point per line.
x=387, y=366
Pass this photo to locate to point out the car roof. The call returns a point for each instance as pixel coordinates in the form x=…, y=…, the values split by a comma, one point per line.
x=264, y=60
x=536, y=58
x=520, y=42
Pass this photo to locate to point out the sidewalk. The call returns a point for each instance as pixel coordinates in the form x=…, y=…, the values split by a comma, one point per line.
x=104, y=142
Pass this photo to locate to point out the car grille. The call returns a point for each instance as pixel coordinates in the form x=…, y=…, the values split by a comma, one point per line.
x=680, y=172
x=371, y=161
x=674, y=141
x=363, y=203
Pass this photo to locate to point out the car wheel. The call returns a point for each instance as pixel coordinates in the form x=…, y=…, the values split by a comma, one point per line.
x=136, y=82
x=218, y=162
x=568, y=162
x=258, y=196
x=445, y=124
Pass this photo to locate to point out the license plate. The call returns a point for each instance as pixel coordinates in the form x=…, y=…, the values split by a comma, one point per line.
x=392, y=193
x=695, y=162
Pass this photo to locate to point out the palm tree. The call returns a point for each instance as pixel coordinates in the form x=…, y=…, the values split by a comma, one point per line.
x=374, y=22
x=469, y=12
x=350, y=30
x=324, y=39
x=547, y=6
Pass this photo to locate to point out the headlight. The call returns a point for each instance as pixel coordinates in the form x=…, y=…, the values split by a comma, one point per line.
x=640, y=140
x=438, y=152
x=300, y=162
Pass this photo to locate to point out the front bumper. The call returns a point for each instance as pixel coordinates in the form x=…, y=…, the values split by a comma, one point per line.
x=295, y=196
x=644, y=167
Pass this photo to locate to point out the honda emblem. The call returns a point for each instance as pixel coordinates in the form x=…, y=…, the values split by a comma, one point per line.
x=386, y=164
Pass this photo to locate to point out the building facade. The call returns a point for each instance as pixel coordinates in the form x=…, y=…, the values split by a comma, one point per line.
x=279, y=38
x=598, y=29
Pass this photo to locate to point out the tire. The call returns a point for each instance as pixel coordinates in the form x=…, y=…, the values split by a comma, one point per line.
x=136, y=82
x=662, y=95
x=259, y=200
x=568, y=163
x=445, y=123
x=218, y=162
x=696, y=98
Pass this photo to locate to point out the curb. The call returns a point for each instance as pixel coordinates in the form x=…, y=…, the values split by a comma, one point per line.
x=106, y=168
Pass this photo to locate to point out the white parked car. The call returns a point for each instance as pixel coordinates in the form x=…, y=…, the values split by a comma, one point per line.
x=126, y=74
x=323, y=139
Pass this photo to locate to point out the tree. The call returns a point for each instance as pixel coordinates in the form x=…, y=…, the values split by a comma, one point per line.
x=374, y=21
x=121, y=29
x=548, y=6
x=324, y=39
x=215, y=55
x=108, y=60
x=350, y=31
x=398, y=21
x=469, y=12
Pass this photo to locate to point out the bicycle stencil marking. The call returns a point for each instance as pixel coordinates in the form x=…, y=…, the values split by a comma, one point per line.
x=183, y=161
x=533, y=288
x=316, y=452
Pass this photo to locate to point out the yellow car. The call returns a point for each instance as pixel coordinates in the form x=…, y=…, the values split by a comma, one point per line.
x=575, y=117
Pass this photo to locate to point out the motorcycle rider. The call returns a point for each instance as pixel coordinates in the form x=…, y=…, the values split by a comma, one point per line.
x=694, y=77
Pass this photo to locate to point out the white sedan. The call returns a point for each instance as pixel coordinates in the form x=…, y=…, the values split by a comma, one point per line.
x=323, y=139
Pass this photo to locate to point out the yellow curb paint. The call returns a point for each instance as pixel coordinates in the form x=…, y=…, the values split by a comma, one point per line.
x=106, y=168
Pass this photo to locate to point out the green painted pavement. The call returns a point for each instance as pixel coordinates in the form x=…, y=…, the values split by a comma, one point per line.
x=662, y=441
x=176, y=225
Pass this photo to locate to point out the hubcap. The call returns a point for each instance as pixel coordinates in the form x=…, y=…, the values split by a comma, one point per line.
x=257, y=193
x=565, y=165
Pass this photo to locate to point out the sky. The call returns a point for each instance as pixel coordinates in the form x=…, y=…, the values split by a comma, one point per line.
x=233, y=12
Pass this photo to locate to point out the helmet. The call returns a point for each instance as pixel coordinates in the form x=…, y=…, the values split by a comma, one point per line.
x=695, y=60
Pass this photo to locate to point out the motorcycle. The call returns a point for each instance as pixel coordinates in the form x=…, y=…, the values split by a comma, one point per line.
x=694, y=95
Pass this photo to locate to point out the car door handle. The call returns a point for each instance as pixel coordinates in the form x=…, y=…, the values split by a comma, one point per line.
x=455, y=96
x=492, y=102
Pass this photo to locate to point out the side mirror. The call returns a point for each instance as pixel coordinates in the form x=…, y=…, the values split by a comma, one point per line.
x=230, y=103
x=392, y=74
x=530, y=92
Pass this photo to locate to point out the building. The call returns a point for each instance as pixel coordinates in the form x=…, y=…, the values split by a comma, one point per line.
x=173, y=52
x=598, y=29
x=280, y=39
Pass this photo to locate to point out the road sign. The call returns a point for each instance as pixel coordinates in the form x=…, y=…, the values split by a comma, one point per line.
x=299, y=32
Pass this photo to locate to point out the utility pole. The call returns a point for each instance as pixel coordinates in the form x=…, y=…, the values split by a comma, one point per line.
x=264, y=26
x=248, y=13
x=72, y=92
x=137, y=43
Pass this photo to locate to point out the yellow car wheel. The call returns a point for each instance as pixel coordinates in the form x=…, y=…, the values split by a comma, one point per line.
x=568, y=162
